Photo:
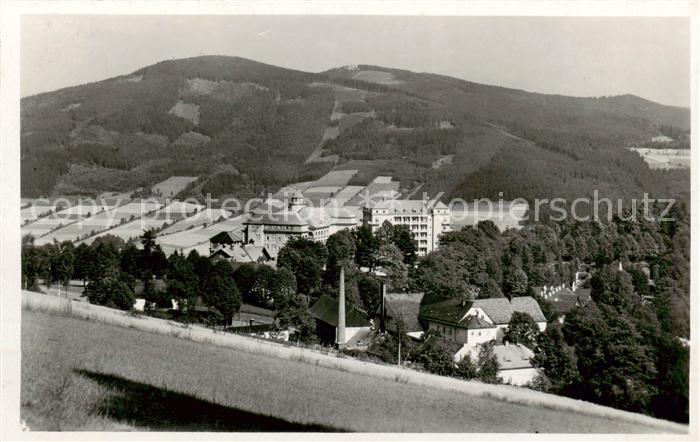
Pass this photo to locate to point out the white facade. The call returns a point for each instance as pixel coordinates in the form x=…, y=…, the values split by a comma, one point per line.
x=515, y=366
x=427, y=220
x=353, y=335
x=518, y=376
x=274, y=227
x=465, y=336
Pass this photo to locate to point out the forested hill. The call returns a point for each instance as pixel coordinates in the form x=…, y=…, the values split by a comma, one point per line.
x=246, y=127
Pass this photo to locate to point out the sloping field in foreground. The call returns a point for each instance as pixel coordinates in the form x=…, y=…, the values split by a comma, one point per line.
x=82, y=374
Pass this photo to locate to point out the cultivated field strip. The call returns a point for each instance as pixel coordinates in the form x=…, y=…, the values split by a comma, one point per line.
x=101, y=221
x=168, y=215
x=589, y=417
x=198, y=219
x=34, y=211
x=197, y=237
x=172, y=186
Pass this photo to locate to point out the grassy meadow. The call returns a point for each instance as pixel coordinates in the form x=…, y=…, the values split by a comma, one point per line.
x=82, y=374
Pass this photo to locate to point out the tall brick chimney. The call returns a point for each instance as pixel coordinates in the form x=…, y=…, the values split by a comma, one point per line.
x=340, y=336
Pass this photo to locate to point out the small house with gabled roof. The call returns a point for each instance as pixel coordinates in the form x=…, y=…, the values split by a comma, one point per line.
x=477, y=321
x=403, y=307
x=325, y=312
x=225, y=239
x=243, y=253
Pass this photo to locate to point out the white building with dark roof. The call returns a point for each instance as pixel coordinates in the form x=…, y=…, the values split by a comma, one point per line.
x=465, y=326
x=272, y=226
x=478, y=321
x=427, y=220
x=514, y=362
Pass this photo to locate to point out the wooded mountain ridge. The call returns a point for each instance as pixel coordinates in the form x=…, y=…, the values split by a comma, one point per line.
x=247, y=128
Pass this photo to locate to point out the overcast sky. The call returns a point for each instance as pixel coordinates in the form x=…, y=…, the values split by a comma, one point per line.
x=649, y=57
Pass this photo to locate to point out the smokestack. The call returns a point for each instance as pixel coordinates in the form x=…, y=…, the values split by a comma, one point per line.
x=382, y=324
x=340, y=338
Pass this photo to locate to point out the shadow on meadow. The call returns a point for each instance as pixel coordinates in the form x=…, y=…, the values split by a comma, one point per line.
x=159, y=409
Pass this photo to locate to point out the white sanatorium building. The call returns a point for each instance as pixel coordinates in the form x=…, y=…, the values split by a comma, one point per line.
x=272, y=225
x=426, y=219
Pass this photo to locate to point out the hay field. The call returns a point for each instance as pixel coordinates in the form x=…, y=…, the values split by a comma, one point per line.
x=172, y=186
x=380, y=187
x=197, y=237
x=168, y=215
x=346, y=194
x=34, y=211
x=664, y=158
x=61, y=218
x=101, y=221
x=374, y=76
x=336, y=178
x=200, y=218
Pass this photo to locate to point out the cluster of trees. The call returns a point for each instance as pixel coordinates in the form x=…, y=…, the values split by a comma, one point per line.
x=481, y=262
x=615, y=351
x=437, y=359
x=371, y=140
x=551, y=163
x=350, y=107
x=396, y=109
x=111, y=271
x=674, y=132
x=316, y=266
x=622, y=349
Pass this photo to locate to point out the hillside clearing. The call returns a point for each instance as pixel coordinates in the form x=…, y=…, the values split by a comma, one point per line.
x=188, y=111
x=295, y=386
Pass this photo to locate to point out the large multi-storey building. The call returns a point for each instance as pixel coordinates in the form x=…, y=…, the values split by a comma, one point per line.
x=272, y=225
x=427, y=220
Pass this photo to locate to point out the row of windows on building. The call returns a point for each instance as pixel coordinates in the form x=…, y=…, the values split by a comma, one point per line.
x=408, y=219
x=283, y=227
x=418, y=226
x=320, y=233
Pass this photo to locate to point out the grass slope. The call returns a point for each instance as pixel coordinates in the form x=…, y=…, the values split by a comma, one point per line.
x=86, y=375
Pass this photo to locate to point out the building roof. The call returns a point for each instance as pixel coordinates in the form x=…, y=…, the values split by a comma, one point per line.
x=474, y=323
x=279, y=218
x=223, y=252
x=243, y=253
x=341, y=213
x=326, y=310
x=227, y=237
x=449, y=311
x=404, y=307
x=257, y=253
x=315, y=217
x=438, y=341
x=499, y=310
x=271, y=205
x=405, y=206
x=513, y=356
